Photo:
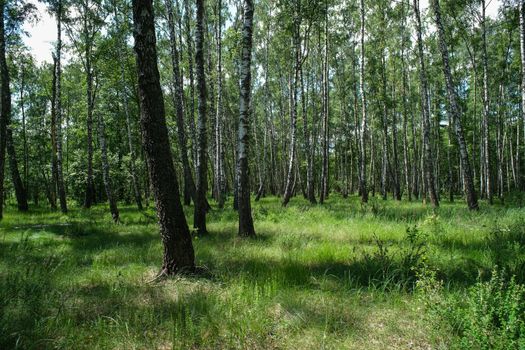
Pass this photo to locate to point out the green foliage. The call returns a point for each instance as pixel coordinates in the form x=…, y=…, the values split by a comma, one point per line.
x=489, y=315
x=400, y=268
x=494, y=316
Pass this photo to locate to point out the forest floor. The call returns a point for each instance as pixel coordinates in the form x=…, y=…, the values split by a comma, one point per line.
x=336, y=276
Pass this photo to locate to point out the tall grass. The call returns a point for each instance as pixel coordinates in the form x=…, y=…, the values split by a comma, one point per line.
x=335, y=276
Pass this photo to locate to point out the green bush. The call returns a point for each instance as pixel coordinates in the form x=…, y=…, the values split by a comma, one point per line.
x=494, y=316
x=490, y=315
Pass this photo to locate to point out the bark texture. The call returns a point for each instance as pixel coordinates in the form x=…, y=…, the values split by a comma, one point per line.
x=363, y=191
x=428, y=160
x=246, y=228
x=199, y=218
x=176, y=239
x=470, y=191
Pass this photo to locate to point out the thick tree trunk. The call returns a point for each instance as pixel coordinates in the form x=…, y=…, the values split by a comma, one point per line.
x=470, y=191
x=363, y=132
x=178, y=95
x=176, y=239
x=246, y=228
x=6, y=139
x=199, y=221
x=428, y=160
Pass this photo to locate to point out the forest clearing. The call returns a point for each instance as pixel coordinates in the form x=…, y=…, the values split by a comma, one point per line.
x=262, y=174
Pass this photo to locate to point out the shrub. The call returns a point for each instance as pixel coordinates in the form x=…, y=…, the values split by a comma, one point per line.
x=494, y=314
x=490, y=315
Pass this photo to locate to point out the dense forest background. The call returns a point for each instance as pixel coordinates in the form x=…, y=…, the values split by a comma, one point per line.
x=341, y=92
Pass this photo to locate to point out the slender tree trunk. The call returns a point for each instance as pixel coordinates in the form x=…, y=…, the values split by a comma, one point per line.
x=522, y=55
x=24, y=129
x=428, y=160
x=176, y=239
x=178, y=95
x=486, y=108
x=191, y=104
x=58, y=110
x=267, y=121
x=326, y=111
x=406, y=159
x=219, y=153
x=310, y=189
x=362, y=158
x=131, y=149
x=288, y=191
x=395, y=158
x=471, y=196
x=53, y=134
x=105, y=170
x=384, y=124
x=5, y=98
x=90, y=187
x=199, y=221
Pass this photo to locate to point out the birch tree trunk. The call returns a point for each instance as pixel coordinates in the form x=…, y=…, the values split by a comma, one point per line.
x=191, y=104
x=219, y=152
x=468, y=180
x=178, y=95
x=58, y=110
x=131, y=149
x=363, y=191
x=199, y=221
x=486, y=108
x=428, y=159
x=522, y=54
x=246, y=228
x=53, y=135
x=88, y=51
x=105, y=170
x=24, y=129
x=326, y=111
x=293, y=104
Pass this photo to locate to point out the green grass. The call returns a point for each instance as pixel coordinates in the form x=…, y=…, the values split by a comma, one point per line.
x=314, y=278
